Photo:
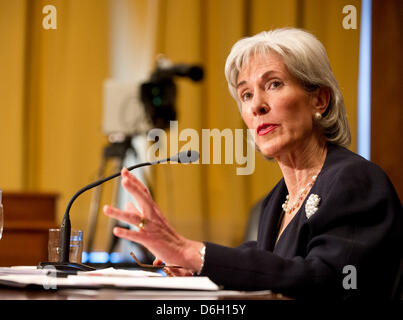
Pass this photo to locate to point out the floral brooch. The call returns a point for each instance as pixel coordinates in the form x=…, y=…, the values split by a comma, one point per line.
x=312, y=205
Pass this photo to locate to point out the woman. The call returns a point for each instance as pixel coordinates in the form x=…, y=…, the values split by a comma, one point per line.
x=332, y=227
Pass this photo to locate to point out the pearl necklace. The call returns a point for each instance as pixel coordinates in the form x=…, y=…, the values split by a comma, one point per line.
x=288, y=209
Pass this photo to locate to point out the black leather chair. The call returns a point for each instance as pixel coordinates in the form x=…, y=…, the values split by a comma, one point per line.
x=253, y=222
x=398, y=287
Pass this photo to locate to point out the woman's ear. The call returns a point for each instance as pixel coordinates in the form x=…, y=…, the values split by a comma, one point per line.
x=321, y=99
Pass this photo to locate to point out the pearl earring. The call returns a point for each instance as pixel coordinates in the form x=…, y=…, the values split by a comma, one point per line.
x=318, y=116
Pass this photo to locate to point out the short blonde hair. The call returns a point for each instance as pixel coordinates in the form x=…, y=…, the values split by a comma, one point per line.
x=305, y=58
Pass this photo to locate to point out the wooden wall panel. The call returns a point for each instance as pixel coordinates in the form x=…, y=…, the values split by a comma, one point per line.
x=27, y=220
x=386, y=83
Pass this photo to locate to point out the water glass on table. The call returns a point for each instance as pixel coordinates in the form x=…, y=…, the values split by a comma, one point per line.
x=76, y=245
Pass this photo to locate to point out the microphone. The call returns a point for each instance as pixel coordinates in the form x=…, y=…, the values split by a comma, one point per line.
x=65, y=230
x=185, y=157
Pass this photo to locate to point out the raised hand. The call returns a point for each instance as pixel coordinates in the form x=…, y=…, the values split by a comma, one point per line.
x=154, y=233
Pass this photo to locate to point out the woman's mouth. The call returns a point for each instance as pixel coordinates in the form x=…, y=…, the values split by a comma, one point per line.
x=265, y=128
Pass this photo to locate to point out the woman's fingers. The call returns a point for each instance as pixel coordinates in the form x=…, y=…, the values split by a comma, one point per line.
x=168, y=272
x=173, y=272
x=131, y=217
x=176, y=272
x=157, y=262
x=137, y=190
x=130, y=207
x=126, y=174
x=154, y=232
x=127, y=234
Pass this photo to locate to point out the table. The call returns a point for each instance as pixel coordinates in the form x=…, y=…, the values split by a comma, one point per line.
x=117, y=294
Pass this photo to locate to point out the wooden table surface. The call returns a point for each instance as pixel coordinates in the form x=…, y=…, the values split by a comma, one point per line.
x=118, y=294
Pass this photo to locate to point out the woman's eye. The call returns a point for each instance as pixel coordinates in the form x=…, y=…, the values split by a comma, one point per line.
x=246, y=96
x=274, y=84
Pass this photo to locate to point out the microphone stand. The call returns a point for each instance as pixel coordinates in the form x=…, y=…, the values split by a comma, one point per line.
x=65, y=230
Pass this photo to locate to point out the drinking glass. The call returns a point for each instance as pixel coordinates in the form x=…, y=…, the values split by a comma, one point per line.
x=76, y=245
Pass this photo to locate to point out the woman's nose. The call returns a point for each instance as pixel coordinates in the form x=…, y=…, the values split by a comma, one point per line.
x=260, y=105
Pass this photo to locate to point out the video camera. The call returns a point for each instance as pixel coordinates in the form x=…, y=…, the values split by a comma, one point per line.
x=159, y=94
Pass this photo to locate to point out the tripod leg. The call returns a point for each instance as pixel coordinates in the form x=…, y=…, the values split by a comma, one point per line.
x=94, y=208
x=113, y=239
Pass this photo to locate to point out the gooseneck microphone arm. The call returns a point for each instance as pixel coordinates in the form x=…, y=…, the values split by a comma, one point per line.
x=65, y=230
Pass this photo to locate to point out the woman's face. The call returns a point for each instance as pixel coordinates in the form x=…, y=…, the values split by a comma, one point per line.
x=274, y=105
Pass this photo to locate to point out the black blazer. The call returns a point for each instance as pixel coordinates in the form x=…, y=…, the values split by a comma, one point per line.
x=359, y=223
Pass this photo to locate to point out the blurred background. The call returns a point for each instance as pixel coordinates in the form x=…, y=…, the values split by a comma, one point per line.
x=55, y=83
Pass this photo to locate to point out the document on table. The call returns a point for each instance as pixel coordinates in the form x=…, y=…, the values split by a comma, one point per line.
x=110, y=277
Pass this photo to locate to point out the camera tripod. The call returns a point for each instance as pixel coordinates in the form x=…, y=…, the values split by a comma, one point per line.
x=114, y=151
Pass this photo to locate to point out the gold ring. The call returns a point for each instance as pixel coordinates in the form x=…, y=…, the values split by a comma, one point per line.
x=142, y=223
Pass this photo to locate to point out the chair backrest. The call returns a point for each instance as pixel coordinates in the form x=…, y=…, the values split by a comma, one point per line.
x=397, y=293
x=253, y=222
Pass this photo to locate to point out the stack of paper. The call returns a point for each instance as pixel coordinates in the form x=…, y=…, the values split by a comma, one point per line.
x=110, y=277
